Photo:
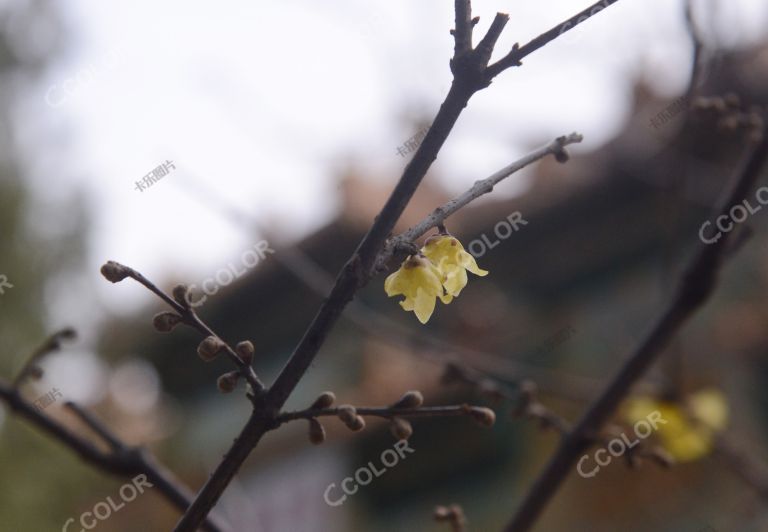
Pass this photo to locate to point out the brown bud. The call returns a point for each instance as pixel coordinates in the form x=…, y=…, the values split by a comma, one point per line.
x=210, y=348
x=316, y=431
x=180, y=294
x=401, y=428
x=228, y=381
x=562, y=155
x=325, y=400
x=451, y=514
x=114, y=271
x=245, y=350
x=483, y=416
x=357, y=424
x=412, y=399
x=347, y=413
x=165, y=321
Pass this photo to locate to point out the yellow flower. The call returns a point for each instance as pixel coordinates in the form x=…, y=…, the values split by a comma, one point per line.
x=447, y=253
x=690, y=428
x=420, y=282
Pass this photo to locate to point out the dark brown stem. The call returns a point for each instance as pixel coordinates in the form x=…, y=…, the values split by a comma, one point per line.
x=383, y=412
x=696, y=285
x=470, y=74
x=190, y=318
x=123, y=461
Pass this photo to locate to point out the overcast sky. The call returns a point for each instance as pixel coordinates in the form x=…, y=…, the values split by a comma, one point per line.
x=264, y=101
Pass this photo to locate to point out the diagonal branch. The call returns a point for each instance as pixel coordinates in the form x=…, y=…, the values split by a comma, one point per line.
x=123, y=461
x=471, y=75
x=697, y=284
x=480, y=188
x=516, y=55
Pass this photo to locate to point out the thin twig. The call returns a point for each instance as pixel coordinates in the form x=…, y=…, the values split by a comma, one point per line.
x=189, y=317
x=124, y=461
x=385, y=412
x=470, y=74
x=480, y=188
x=51, y=344
x=696, y=286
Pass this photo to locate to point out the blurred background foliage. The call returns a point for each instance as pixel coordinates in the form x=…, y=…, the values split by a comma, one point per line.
x=607, y=234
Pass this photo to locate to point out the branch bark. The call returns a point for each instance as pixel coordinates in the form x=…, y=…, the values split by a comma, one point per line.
x=471, y=73
x=123, y=461
x=695, y=287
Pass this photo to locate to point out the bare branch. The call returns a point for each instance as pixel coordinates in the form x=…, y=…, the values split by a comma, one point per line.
x=124, y=461
x=470, y=74
x=51, y=344
x=480, y=188
x=516, y=55
x=188, y=317
x=696, y=286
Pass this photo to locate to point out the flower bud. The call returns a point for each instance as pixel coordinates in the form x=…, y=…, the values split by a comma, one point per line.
x=210, y=348
x=228, y=381
x=346, y=413
x=401, y=428
x=357, y=424
x=562, y=155
x=245, y=351
x=325, y=400
x=180, y=294
x=114, y=271
x=411, y=399
x=483, y=416
x=165, y=321
x=316, y=431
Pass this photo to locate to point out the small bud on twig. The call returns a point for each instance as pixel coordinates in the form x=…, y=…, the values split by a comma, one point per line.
x=245, y=351
x=228, y=381
x=180, y=294
x=451, y=514
x=114, y=271
x=411, y=399
x=357, y=424
x=483, y=416
x=209, y=348
x=165, y=321
x=316, y=431
x=401, y=428
x=346, y=413
x=325, y=400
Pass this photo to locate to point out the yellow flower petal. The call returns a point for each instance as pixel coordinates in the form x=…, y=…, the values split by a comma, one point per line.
x=424, y=305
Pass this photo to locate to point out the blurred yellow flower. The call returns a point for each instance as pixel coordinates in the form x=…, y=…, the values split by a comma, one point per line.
x=690, y=427
x=447, y=253
x=420, y=282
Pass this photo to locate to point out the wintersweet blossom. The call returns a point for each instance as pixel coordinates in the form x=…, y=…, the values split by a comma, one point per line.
x=691, y=426
x=447, y=253
x=420, y=282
